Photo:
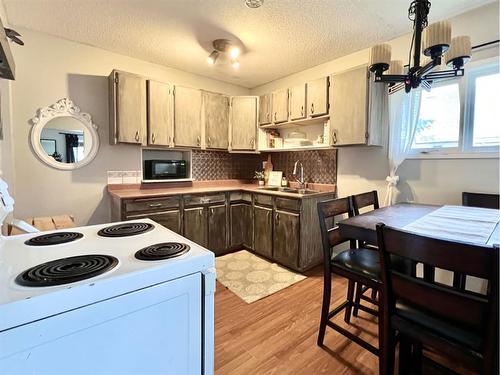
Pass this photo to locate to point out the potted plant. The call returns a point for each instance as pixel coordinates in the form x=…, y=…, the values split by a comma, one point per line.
x=259, y=176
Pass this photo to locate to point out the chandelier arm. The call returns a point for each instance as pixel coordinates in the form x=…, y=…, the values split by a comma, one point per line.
x=391, y=78
x=420, y=73
x=444, y=74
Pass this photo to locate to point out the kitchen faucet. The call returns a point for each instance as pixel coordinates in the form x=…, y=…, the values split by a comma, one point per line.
x=299, y=177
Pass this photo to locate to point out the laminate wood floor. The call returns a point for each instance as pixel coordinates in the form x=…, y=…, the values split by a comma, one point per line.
x=277, y=335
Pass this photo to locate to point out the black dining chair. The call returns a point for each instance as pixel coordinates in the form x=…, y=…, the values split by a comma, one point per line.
x=360, y=201
x=356, y=265
x=481, y=200
x=475, y=200
x=460, y=326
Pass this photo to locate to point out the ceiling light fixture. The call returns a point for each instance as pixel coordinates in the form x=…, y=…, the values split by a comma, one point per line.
x=254, y=3
x=227, y=48
x=212, y=58
x=436, y=42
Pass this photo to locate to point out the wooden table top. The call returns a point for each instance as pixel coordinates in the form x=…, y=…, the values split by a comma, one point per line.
x=362, y=227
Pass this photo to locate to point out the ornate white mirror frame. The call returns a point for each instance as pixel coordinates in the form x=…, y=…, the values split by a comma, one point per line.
x=62, y=108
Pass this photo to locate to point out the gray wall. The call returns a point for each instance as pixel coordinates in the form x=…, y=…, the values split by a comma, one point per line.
x=48, y=69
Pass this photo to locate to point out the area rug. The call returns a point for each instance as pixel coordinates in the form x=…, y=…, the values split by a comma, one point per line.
x=251, y=277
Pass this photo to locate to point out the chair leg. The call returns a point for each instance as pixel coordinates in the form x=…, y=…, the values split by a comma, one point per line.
x=327, y=291
x=374, y=294
x=357, y=299
x=387, y=347
x=350, y=297
x=405, y=365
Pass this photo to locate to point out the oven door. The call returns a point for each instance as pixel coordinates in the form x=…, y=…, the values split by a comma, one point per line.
x=155, y=330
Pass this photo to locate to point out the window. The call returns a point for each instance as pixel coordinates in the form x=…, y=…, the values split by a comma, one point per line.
x=461, y=115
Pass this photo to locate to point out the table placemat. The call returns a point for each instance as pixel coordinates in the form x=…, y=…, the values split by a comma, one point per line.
x=474, y=225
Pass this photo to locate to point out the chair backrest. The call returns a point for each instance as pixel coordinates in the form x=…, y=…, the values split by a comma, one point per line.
x=481, y=200
x=472, y=310
x=327, y=211
x=362, y=200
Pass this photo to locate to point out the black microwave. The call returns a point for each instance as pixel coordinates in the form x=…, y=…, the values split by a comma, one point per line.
x=164, y=169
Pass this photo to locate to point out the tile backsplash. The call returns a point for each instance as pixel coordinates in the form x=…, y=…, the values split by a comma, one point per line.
x=320, y=166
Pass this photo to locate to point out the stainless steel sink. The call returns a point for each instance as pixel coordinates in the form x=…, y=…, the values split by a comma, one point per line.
x=289, y=190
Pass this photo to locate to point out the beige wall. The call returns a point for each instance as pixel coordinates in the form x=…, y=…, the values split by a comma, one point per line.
x=51, y=68
x=432, y=181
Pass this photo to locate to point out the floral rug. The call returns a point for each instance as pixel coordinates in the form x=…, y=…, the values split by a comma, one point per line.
x=251, y=277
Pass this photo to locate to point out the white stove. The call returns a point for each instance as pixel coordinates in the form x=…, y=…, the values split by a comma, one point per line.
x=95, y=304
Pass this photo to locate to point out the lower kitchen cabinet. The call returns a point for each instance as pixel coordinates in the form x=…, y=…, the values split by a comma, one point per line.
x=169, y=219
x=195, y=225
x=241, y=225
x=217, y=234
x=263, y=231
x=286, y=239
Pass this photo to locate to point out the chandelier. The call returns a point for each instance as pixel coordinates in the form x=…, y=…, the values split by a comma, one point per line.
x=434, y=41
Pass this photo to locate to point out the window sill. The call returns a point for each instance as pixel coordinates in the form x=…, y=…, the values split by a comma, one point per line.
x=455, y=155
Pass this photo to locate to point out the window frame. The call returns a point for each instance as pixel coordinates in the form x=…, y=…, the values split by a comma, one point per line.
x=467, y=90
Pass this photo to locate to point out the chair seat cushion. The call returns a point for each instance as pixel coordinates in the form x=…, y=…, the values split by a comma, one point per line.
x=364, y=262
x=437, y=325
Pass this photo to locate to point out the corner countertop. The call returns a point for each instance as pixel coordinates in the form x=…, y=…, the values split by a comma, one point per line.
x=132, y=191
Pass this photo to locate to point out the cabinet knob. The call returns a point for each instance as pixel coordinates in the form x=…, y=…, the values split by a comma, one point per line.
x=198, y=140
x=267, y=116
x=137, y=136
x=153, y=138
x=252, y=141
x=275, y=116
x=334, y=137
x=312, y=108
x=302, y=111
x=209, y=141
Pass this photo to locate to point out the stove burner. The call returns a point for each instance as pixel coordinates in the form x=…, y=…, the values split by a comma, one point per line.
x=162, y=251
x=53, y=238
x=66, y=270
x=124, y=230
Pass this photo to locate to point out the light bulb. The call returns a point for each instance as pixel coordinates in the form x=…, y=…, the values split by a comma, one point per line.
x=234, y=52
x=235, y=63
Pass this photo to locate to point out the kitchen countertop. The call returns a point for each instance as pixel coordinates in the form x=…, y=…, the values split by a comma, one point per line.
x=131, y=191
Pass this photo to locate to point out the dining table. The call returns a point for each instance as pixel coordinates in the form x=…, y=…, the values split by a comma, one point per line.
x=477, y=226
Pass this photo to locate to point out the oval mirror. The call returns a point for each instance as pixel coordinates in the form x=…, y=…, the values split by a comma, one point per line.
x=64, y=137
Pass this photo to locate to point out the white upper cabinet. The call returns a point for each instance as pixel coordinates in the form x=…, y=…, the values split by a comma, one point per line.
x=187, y=117
x=317, y=97
x=280, y=106
x=128, y=122
x=160, y=113
x=243, y=123
x=297, y=102
x=265, y=107
x=216, y=120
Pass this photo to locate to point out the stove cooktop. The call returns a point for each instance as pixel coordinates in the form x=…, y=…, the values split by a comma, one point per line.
x=125, y=229
x=161, y=251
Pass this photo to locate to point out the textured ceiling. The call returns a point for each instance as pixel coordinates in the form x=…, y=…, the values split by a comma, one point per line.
x=280, y=38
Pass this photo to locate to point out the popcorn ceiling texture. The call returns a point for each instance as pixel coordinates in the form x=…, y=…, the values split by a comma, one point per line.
x=319, y=166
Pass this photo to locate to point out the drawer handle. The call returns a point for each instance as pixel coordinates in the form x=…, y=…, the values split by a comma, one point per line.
x=277, y=218
x=153, y=205
x=201, y=212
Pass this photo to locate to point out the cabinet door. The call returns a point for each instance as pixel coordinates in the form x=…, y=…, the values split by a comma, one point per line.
x=349, y=107
x=298, y=102
x=217, y=229
x=241, y=225
x=160, y=114
x=187, y=117
x=128, y=113
x=195, y=225
x=243, y=122
x=317, y=97
x=280, y=106
x=263, y=231
x=286, y=238
x=169, y=219
x=265, y=109
x=216, y=120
